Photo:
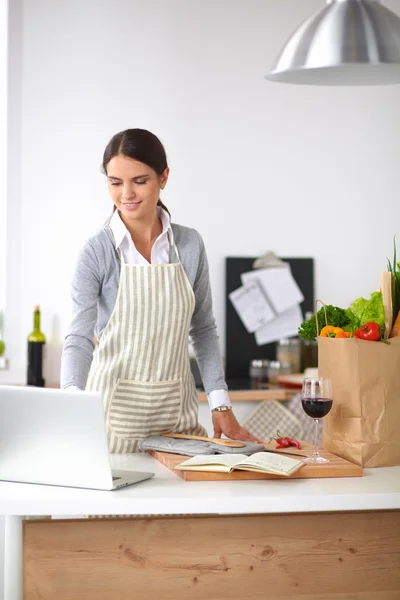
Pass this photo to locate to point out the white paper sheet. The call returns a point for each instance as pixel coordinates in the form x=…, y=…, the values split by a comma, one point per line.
x=284, y=325
x=279, y=286
x=251, y=305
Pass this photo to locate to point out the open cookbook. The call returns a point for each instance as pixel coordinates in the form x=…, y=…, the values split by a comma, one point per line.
x=261, y=462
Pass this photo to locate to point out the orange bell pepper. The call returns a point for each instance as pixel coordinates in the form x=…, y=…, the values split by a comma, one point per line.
x=341, y=334
x=325, y=331
x=331, y=331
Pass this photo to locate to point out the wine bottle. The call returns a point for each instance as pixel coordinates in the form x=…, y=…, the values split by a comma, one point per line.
x=36, y=342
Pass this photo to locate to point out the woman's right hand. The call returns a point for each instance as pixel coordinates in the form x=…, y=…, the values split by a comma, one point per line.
x=227, y=424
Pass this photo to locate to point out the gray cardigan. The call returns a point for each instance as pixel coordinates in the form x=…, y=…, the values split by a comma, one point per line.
x=94, y=293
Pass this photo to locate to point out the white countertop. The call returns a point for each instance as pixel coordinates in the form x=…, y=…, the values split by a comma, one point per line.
x=166, y=493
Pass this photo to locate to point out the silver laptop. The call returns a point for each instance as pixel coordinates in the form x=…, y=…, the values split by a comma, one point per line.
x=57, y=437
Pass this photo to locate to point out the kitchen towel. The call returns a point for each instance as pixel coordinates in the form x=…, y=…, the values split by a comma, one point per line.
x=270, y=417
x=194, y=447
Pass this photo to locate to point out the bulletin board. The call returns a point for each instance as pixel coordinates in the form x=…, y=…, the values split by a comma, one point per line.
x=240, y=346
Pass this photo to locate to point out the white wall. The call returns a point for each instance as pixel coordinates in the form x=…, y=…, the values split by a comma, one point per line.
x=10, y=125
x=3, y=205
x=255, y=166
x=3, y=149
x=10, y=203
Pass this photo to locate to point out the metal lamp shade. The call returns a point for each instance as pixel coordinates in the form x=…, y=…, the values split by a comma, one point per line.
x=348, y=42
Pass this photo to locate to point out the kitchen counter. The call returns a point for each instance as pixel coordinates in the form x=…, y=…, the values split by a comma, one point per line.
x=236, y=539
x=167, y=493
x=243, y=395
x=256, y=395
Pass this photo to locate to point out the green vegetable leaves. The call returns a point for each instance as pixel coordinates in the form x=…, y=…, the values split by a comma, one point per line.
x=394, y=269
x=336, y=316
x=361, y=311
x=370, y=310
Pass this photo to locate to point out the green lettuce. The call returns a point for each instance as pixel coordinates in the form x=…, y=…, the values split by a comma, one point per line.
x=353, y=321
x=370, y=310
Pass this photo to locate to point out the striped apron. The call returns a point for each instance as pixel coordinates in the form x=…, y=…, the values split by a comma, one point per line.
x=141, y=365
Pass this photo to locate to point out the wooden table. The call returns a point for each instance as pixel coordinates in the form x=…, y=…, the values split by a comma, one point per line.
x=315, y=539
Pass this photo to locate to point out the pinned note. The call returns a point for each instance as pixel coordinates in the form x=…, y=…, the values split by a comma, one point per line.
x=284, y=325
x=268, y=303
x=252, y=306
x=278, y=285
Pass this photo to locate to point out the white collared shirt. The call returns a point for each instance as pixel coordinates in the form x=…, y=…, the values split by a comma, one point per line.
x=159, y=255
x=160, y=249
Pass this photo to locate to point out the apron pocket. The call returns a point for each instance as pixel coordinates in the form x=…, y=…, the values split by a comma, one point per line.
x=141, y=408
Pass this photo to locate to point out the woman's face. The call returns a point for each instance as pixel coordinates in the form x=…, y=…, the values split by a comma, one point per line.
x=134, y=187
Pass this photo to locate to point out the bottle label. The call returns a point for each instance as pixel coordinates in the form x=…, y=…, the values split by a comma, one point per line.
x=35, y=364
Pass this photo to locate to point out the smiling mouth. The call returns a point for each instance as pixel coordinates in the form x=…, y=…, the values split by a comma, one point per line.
x=131, y=204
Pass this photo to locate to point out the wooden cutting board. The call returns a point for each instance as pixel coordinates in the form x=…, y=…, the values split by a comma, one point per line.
x=336, y=467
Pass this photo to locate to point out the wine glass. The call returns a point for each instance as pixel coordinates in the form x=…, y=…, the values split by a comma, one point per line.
x=316, y=399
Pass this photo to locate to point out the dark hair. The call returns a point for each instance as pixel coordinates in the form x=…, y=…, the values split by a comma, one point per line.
x=141, y=145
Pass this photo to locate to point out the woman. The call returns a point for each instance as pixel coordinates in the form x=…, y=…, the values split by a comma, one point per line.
x=141, y=287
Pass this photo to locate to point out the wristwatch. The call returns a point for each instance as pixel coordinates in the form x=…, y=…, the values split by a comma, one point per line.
x=223, y=408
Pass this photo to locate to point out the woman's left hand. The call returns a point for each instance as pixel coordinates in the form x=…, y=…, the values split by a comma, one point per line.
x=227, y=424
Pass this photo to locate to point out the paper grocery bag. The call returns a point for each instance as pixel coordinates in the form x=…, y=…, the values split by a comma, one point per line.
x=363, y=425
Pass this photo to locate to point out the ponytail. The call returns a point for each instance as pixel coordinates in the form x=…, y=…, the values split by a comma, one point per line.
x=162, y=205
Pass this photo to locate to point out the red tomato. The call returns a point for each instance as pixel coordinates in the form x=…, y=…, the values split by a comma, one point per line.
x=370, y=331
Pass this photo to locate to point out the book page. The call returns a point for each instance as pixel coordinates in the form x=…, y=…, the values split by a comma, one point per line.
x=206, y=462
x=270, y=463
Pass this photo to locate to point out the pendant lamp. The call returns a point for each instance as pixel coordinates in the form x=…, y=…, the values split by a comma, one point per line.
x=347, y=42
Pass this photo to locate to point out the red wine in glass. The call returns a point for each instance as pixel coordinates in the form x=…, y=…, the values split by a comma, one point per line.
x=316, y=400
x=317, y=408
